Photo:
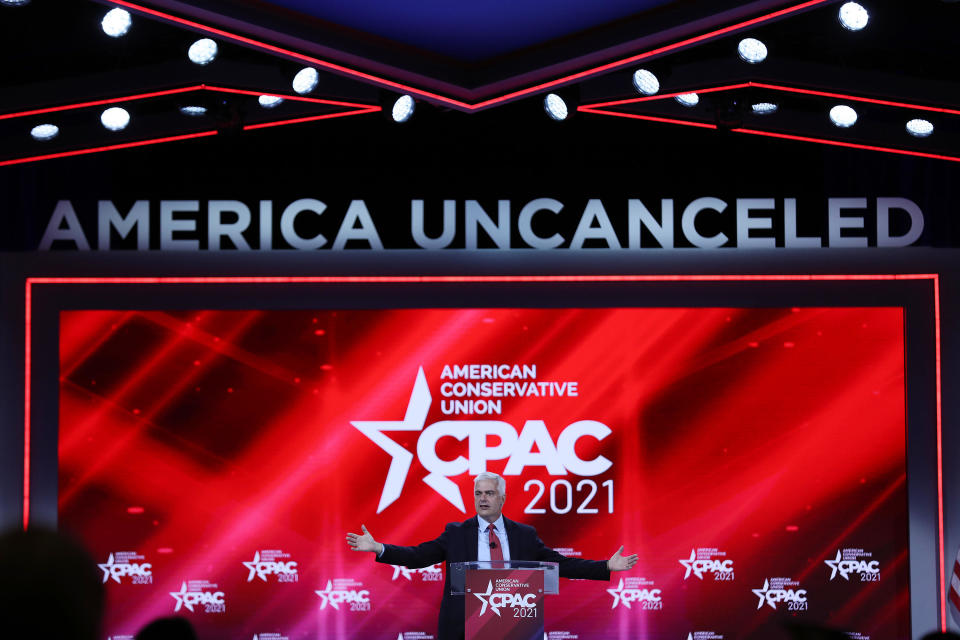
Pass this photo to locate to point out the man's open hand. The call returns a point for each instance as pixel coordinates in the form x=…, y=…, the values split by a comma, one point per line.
x=365, y=541
x=619, y=562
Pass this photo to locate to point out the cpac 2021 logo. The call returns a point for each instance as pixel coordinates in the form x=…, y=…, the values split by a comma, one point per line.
x=523, y=604
x=704, y=560
x=269, y=566
x=118, y=566
x=849, y=561
x=557, y=457
x=637, y=590
x=433, y=573
x=199, y=592
x=344, y=591
x=777, y=590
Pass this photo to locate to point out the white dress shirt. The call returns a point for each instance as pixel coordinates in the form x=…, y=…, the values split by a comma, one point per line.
x=483, y=539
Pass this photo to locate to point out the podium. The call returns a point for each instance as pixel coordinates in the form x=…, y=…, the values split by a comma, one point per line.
x=504, y=598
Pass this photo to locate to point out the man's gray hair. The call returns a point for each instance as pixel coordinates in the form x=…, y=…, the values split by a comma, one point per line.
x=486, y=475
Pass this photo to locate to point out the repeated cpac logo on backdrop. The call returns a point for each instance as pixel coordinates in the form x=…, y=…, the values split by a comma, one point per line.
x=777, y=590
x=704, y=635
x=433, y=573
x=849, y=561
x=532, y=446
x=344, y=591
x=493, y=601
x=272, y=562
x=707, y=560
x=560, y=635
x=199, y=592
x=123, y=564
x=640, y=590
x=270, y=636
x=856, y=635
x=415, y=635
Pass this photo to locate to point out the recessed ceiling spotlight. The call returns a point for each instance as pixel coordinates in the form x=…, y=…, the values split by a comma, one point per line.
x=555, y=107
x=688, y=99
x=202, y=51
x=14, y=3
x=403, y=108
x=920, y=128
x=763, y=108
x=752, y=50
x=853, y=17
x=843, y=116
x=115, y=118
x=645, y=82
x=116, y=23
x=193, y=110
x=269, y=102
x=45, y=132
x=306, y=80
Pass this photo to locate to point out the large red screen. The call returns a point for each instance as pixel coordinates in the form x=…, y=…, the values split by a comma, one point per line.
x=753, y=458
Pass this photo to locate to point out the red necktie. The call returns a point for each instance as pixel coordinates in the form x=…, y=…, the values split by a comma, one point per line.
x=496, y=553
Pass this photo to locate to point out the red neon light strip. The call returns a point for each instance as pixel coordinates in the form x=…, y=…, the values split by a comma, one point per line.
x=852, y=145
x=93, y=103
x=844, y=96
x=246, y=92
x=452, y=101
x=943, y=576
x=635, y=116
x=123, y=145
x=28, y=366
x=325, y=116
x=778, y=87
x=664, y=96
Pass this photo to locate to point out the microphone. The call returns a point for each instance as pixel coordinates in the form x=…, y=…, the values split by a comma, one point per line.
x=493, y=545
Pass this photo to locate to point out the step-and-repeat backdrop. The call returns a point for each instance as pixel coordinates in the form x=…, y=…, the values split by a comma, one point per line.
x=754, y=458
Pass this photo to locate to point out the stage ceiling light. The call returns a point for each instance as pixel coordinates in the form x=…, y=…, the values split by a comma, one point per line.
x=306, y=80
x=403, y=108
x=116, y=22
x=853, y=17
x=45, y=132
x=920, y=128
x=688, y=99
x=752, y=50
x=269, y=102
x=115, y=118
x=193, y=110
x=202, y=51
x=843, y=116
x=645, y=82
x=14, y=3
x=763, y=108
x=555, y=107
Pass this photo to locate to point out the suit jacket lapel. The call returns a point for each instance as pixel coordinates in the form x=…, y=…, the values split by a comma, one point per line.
x=513, y=539
x=470, y=533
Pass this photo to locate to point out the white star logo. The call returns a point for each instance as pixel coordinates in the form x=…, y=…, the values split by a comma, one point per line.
x=413, y=420
x=105, y=567
x=325, y=597
x=483, y=598
x=762, y=594
x=254, y=570
x=181, y=598
x=616, y=596
x=835, y=566
x=690, y=566
x=402, y=571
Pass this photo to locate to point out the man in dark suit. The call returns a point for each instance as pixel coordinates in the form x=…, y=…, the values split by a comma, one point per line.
x=489, y=536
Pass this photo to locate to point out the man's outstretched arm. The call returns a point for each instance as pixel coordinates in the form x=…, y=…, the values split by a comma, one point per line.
x=422, y=555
